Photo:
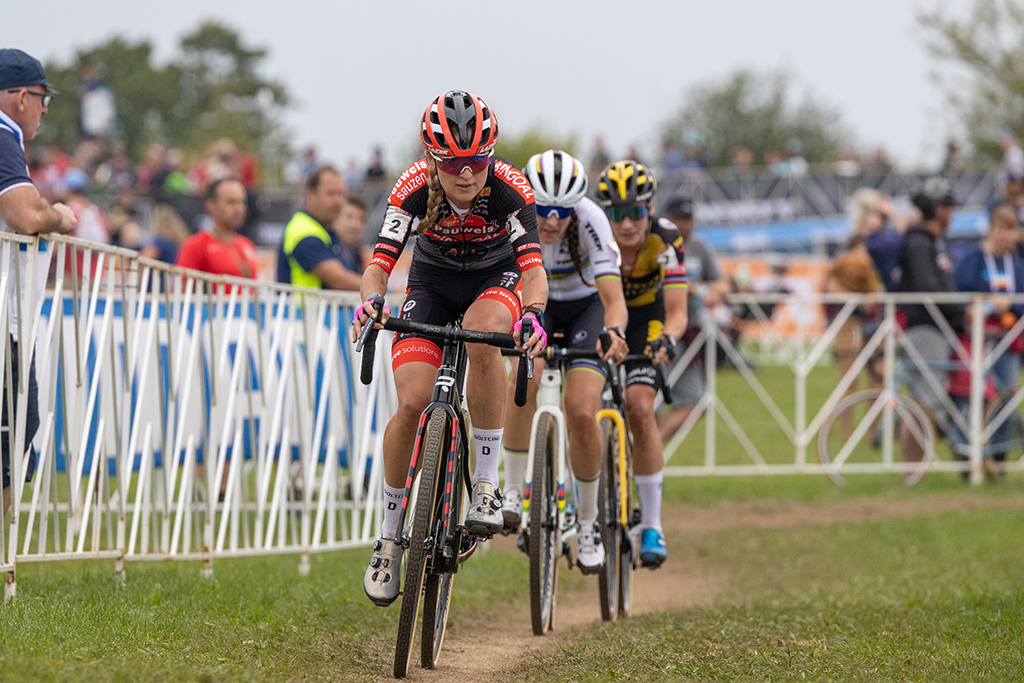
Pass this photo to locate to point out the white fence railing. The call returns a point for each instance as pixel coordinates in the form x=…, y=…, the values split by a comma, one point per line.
x=194, y=417
x=971, y=352
x=183, y=417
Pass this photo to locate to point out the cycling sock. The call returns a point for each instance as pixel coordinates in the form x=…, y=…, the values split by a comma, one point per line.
x=649, y=487
x=515, y=468
x=488, y=454
x=392, y=510
x=586, y=492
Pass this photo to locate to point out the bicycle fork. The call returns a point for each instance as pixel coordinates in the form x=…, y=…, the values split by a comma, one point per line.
x=620, y=427
x=548, y=400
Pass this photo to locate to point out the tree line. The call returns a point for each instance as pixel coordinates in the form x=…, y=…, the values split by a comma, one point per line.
x=215, y=88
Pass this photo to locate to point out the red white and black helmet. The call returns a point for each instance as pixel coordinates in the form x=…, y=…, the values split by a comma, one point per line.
x=459, y=124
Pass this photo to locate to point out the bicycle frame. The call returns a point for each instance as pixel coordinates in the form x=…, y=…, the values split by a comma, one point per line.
x=549, y=399
x=447, y=396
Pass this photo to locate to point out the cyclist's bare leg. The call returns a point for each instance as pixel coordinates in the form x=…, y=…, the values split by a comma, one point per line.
x=486, y=398
x=516, y=444
x=417, y=382
x=381, y=580
x=519, y=421
x=648, y=457
x=583, y=388
x=648, y=463
x=486, y=367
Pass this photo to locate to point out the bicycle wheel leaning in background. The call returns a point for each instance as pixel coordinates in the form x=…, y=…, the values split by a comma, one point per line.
x=1006, y=441
x=850, y=438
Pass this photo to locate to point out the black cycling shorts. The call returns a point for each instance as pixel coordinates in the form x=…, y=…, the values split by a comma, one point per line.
x=438, y=296
x=646, y=323
x=580, y=323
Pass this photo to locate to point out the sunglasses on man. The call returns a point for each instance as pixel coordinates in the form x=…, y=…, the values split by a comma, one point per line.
x=46, y=97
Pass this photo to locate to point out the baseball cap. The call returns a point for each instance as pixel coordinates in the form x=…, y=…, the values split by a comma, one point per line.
x=680, y=204
x=18, y=70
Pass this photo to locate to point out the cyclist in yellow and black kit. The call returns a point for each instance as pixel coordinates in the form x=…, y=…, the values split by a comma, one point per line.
x=654, y=284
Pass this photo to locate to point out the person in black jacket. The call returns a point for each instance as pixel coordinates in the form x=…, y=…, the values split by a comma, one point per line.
x=927, y=267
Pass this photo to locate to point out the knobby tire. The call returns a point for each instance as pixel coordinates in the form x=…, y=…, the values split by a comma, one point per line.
x=608, y=505
x=437, y=594
x=422, y=524
x=543, y=528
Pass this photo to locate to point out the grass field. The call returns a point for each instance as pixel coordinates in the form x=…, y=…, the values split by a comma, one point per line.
x=874, y=581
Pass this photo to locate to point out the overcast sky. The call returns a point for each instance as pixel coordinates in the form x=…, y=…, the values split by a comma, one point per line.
x=362, y=72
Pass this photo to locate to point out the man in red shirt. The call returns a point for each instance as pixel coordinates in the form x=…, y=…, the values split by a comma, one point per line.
x=222, y=251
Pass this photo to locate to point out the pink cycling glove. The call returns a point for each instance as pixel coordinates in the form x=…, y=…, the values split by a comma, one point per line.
x=363, y=309
x=537, y=327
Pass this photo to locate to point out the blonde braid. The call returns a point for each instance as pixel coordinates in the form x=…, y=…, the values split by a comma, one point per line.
x=435, y=193
x=572, y=240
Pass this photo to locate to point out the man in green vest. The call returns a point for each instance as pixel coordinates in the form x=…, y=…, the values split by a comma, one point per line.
x=311, y=251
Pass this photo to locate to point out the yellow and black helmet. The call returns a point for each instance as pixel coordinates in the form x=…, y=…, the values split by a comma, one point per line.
x=625, y=182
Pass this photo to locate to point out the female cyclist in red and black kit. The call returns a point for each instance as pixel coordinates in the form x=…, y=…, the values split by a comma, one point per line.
x=476, y=257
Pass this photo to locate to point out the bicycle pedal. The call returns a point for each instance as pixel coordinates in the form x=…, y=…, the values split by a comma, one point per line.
x=523, y=542
x=567, y=552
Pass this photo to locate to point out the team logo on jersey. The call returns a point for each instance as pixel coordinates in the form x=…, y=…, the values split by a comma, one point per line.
x=509, y=279
x=515, y=226
x=511, y=175
x=579, y=336
x=413, y=179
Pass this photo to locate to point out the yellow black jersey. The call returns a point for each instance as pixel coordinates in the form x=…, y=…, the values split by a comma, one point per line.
x=659, y=265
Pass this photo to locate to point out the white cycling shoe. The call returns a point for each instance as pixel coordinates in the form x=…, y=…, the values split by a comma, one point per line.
x=484, y=517
x=382, y=578
x=512, y=509
x=590, y=549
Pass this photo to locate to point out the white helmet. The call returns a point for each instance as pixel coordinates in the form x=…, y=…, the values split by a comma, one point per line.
x=557, y=178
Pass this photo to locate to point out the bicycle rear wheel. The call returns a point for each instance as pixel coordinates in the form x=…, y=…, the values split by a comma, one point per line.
x=851, y=435
x=609, y=506
x=626, y=551
x=437, y=594
x=543, y=528
x=423, y=523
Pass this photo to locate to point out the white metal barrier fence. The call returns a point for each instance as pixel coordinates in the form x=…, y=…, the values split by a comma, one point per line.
x=182, y=417
x=202, y=416
x=972, y=352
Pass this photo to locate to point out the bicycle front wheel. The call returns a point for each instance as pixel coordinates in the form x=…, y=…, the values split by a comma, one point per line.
x=437, y=594
x=425, y=517
x=543, y=528
x=609, y=506
x=851, y=436
x=627, y=552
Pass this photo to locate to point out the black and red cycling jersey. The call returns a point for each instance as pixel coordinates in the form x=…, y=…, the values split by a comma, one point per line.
x=500, y=226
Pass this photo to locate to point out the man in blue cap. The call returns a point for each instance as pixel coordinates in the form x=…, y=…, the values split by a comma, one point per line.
x=24, y=97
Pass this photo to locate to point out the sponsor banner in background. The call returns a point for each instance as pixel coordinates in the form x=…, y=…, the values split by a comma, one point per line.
x=803, y=278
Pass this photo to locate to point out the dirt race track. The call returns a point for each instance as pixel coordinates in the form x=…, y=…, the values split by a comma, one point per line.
x=482, y=651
